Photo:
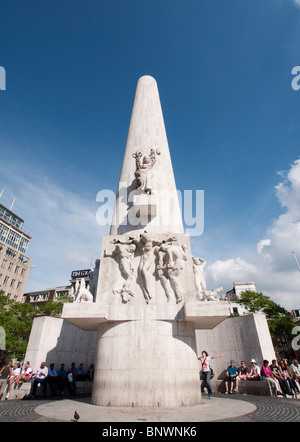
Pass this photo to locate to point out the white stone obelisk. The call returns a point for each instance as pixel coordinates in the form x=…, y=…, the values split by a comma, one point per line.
x=146, y=132
x=148, y=357
x=146, y=300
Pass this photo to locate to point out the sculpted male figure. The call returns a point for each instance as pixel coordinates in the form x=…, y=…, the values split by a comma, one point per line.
x=146, y=261
x=175, y=264
x=124, y=251
x=198, y=266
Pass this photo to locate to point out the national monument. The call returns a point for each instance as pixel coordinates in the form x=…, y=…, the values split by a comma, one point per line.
x=151, y=301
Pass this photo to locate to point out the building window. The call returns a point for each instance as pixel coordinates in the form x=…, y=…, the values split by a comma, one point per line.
x=13, y=239
x=5, y=280
x=12, y=282
x=23, y=259
x=22, y=272
x=10, y=265
x=19, y=285
x=3, y=232
x=17, y=269
x=23, y=245
x=10, y=252
x=3, y=263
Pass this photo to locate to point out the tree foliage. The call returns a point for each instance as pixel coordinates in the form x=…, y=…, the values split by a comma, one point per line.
x=256, y=302
x=16, y=318
x=279, y=321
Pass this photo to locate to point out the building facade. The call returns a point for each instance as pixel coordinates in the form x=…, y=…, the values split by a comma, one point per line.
x=90, y=277
x=238, y=289
x=15, y=265
x=43, y=296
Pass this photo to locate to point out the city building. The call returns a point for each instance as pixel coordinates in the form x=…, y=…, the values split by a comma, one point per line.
x=42, y=296
x=90, y=277
x=295, y=316
x=14, y=263
x=238, y=289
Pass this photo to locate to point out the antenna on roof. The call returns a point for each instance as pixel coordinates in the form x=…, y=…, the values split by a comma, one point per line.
x=295, y=256
x=1, y=192
x=12, y=203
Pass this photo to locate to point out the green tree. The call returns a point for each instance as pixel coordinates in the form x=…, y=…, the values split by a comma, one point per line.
x=16, y=318
x=279, y=321
x=256, y=302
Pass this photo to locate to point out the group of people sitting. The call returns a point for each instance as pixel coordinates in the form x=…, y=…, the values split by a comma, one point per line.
x=43, y=376
x=284, y=378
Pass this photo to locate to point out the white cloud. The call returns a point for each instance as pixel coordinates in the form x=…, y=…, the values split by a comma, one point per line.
x=65, y=233
x=235, y=269
x=263, y=243
x=273, y=267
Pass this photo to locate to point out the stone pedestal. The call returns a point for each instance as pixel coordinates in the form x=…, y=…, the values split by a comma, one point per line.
x=146, y=363
x=148, y=359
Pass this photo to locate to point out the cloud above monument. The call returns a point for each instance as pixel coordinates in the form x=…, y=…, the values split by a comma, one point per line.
x=273, y=267
x=65, y=233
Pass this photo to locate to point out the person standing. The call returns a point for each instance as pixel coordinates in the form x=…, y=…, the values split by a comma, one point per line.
x=206, y=370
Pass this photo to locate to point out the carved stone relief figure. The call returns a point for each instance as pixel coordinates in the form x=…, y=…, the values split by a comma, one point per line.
x=124, y=252
x=200, y=284
x=211, y=295
x=147, y=249
x=145, y=263
x=143, y=174
x=82, y=293
x=175, y=263
x=162, y=272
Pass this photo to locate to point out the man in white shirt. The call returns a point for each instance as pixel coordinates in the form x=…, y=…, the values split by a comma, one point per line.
x=25, y=375
x=295, y=370
x=40, y=377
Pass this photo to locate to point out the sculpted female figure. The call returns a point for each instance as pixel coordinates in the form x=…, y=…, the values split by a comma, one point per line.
x=198, y=266
x=146, y=261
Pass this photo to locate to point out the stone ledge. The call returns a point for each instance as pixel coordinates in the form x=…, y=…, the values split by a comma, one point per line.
x=82, y=387
x=261, y=388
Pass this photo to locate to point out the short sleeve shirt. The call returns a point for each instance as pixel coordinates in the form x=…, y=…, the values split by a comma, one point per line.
x=232, y=370
x=205, y=363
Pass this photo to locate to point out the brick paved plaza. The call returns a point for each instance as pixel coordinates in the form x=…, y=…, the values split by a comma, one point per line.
x=268, y=409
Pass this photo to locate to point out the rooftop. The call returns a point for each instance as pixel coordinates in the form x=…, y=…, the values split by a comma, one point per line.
x=13, y=219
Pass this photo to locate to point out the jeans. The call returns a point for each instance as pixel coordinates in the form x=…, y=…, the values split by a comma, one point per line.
x=43, y=383
x=206, y=381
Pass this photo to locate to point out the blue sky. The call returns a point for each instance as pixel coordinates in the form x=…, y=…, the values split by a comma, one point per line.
x=232, y=118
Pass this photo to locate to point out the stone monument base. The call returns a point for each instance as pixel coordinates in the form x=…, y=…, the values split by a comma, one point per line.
x=146, y=363
x=146, y=354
